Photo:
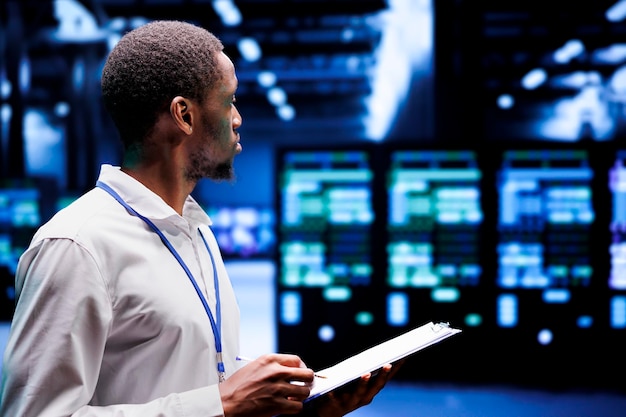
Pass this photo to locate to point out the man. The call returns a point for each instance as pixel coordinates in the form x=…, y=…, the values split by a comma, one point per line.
x=124, y=306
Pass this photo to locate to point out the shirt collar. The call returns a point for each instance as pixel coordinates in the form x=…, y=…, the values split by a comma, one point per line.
x=148, y=203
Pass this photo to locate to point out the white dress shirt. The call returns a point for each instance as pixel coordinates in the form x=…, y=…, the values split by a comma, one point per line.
x=107, y=322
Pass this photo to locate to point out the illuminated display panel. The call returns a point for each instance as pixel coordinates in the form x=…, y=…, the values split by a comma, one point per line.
x=243, y=231
x=20, y=214
x=617, y=273
x=19, y=207
x=545, y=217
x=327, y=214
x=546, y=211
x=511, y=245
x=548, y=291
x=434, y=225
x=325, y=268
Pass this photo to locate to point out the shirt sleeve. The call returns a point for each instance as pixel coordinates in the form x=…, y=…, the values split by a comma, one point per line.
x=57, y=339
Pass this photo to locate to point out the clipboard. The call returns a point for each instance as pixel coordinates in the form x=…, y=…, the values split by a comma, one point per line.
x=378, y=356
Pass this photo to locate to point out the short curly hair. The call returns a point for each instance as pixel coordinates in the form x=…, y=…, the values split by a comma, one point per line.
x=151, y=65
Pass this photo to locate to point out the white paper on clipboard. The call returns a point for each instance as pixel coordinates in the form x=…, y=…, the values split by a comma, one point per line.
x=377, y=356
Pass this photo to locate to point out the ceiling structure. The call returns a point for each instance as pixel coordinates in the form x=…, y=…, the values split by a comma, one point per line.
x=524, y=69
x=318, y=66
x=319, y=60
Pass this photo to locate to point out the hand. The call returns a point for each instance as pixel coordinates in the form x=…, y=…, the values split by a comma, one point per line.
x=355, y=395
x=270, y=385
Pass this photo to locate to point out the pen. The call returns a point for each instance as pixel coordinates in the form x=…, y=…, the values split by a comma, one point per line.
x=247, y=359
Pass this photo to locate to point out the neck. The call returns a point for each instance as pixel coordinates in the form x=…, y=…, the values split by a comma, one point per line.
x=166, y=183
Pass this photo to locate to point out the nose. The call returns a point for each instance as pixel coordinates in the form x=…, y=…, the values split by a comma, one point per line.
x=237, y=120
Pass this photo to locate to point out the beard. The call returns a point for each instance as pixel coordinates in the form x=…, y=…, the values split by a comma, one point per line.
x=222, y=172
x=202, y=164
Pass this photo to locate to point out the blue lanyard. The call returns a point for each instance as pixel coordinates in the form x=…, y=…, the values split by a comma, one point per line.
x=215, y=325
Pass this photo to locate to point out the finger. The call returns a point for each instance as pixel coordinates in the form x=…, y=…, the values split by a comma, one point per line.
x=289, y=405
x=395, y=367
x=296, y=391
x=289, y=368
x=380, y=380
x=288, y=360
x=371, y=384
x=298, y=376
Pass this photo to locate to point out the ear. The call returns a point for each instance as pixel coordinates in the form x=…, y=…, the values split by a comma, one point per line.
x=181, y=111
